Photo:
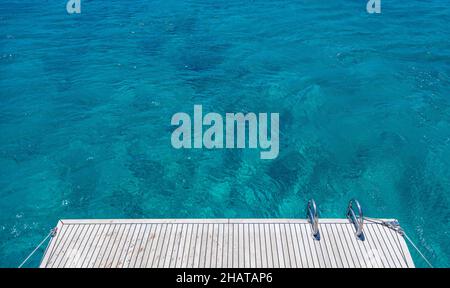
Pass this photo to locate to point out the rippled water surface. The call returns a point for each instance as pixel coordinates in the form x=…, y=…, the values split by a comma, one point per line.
x=86, y=102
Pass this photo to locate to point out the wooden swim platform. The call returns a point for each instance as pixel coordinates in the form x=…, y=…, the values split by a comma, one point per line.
x=223, y=243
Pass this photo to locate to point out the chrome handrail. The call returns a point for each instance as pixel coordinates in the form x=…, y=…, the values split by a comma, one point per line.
x=313, y=218
x=356, y=220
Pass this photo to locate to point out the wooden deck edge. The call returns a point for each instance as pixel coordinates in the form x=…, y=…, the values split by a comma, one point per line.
x=401, y=244
x=206, y=220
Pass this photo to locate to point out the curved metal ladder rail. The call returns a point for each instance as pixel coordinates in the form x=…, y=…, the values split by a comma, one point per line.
x=357, y=219
x=313, y=218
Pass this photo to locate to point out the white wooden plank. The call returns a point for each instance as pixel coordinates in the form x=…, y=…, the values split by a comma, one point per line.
x=380, y=246
x=168, y=247
x=150, y=250
x=187, y=221
x=147, y=241
x=118, y=246
x=136, y=258
x=240, y=259
x=225, y=251
x=271, y=260
x=209, y=245
x=289, y=251
x=340, y=252
x=246, y=242
x=264, y=247
x=186, y=246
x=352, y=252
x=78, y=246
x=372, y=255
x=367, y=250
x=357, y=244
x=222, y=243
x=384, y=241
x=197, y=247
x=55, y=245
x=235, y=246
x=293, y=247
x=212, y=263
x=403, y=249
x=397, y=251
x=280, y=246
x=257, y=245
x=294, y=251
x=191, y=248
x=231, y=250
x=176, y=245
x=143, y=221
x=324, y=237
x=129, y=246
x=394, y=250
x=52, y=243
x=162, y=253
x=61, y=251
x=203, y=246
x=326, y=250
x=296, y=230
x=100, y=237
x=107, y=244
x=182, y=241
x=315, y=246
x=86, y=245
x=313, y=260
x=109, y=253
x=228, y=253
x=160, y=245
x=72, y=253
x=273, y=245
x=124, y=245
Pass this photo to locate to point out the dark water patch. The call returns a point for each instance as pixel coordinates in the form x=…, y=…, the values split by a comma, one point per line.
x=392, y=141
x=79, y=177
x=152, y=46
x=151, y=174
x=23, y=149
x=286, y=170
x=186, y=173
x=144, y=101
x=236, y=199
x=232, y=160
x=127, y=202
x=146, y=169
x=181, y=25
x=199, y=61
x=357, y=164
x=354, y=57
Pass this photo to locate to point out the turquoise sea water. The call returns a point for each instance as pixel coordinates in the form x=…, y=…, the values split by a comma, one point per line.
x=86, y=102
